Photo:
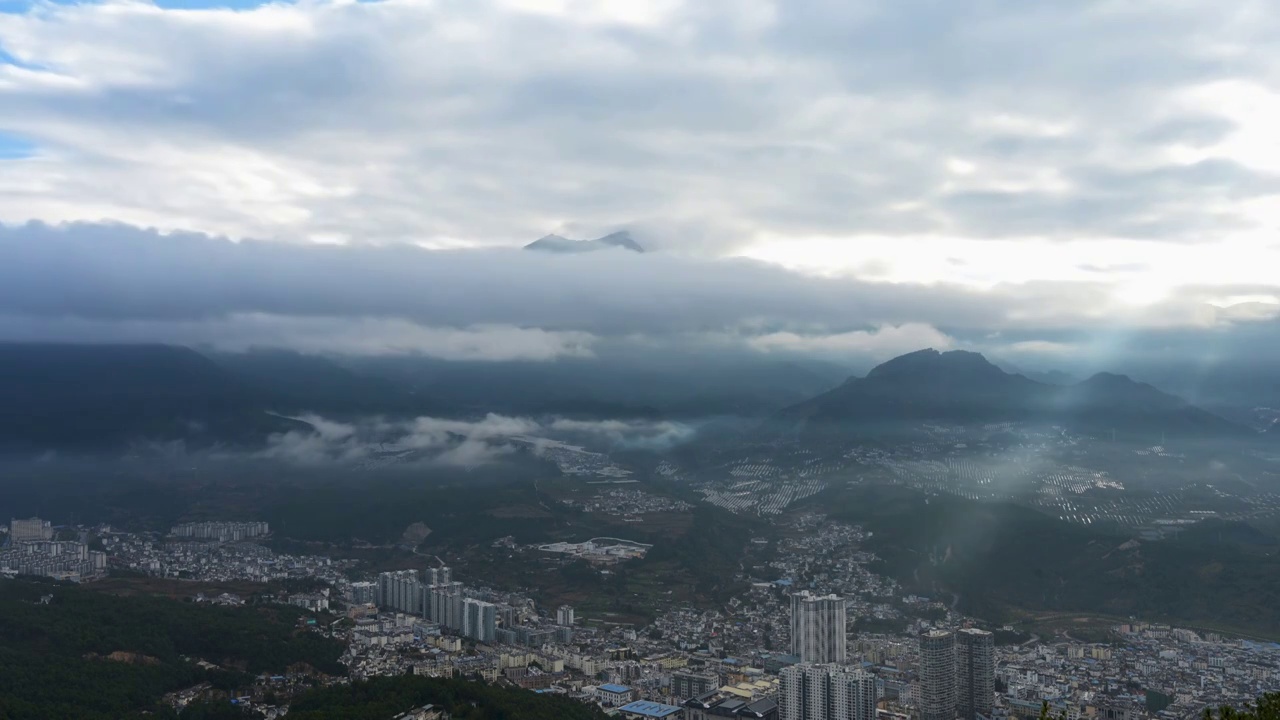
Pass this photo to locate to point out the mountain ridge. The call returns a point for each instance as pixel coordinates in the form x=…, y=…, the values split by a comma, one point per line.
x=965, y=388
x=559, y=244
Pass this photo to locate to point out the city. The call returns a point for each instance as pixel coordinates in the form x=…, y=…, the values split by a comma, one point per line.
x=639, y=359
x=778, y=652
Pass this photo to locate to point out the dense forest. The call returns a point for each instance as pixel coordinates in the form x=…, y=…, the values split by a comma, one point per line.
x=91, y=655
x=382, y=698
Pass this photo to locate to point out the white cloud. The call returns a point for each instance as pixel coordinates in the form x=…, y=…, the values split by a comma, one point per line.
x=755, y=122
x=366, y=336
x=880, y=344
x=976, y=168
x=455, y=442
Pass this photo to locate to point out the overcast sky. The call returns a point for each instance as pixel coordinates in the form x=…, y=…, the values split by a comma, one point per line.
x=1046, y=179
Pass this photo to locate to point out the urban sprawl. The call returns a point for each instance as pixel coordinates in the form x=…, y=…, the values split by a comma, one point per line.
x=779, y=651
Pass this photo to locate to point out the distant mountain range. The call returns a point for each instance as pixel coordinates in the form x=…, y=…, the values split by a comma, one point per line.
x=557, y=244
x=87, y=398
x=964, y=388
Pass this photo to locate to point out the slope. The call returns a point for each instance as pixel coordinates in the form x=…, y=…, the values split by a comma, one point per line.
x=997, y=556
x=103, y=397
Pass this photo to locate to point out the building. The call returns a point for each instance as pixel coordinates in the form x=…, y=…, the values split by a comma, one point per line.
x=975, y=673
x=818, y=633
x=686, y=684
x=826, y=692
x=400, y=590
x=29, y=529
x=853, y=695
x=363, y=593
x=220, y=531
x=481, y=620
x=762, y=709
x=645, y=710
x=426, y=712
x=564, y=616
x=61, y=560
x=445, y=606
x=437, y=576
x=612, y=695
x=937, y=675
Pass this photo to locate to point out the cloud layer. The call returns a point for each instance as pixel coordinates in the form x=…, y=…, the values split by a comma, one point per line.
x=464, y=443
x=1042, y=179
x=115, y=283
x=715, y=124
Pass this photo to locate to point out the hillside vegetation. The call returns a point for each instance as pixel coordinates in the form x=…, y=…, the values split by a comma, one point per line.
x=96, y=656
x=381, y=698
x=999, y=556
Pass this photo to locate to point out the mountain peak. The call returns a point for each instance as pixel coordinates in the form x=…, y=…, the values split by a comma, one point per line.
x=559, y=244
x=934, y=364
x=621, y=239
x=1108, y=378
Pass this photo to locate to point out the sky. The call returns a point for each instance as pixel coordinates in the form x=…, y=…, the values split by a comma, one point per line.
x=1050, y=181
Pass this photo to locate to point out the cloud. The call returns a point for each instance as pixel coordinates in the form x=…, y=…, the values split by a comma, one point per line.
x=629, y=433
x=365, y=336
x=816, y=177
x=465, y=443
x=882, y=343
x=493, y=121
x=112, y=283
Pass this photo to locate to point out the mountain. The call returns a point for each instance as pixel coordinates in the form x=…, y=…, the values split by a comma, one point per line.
x=994, y=557
x=1052, y=377
x=964, y=388
x=557, y=244
x=104, y=397
x=617, y=383
x=1048, y=377
x=301, y=383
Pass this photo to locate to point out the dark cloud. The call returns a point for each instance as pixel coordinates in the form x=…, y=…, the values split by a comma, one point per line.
x=102, y=283
x=118, y=273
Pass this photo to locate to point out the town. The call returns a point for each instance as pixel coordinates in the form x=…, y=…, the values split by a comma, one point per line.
x=807, y=645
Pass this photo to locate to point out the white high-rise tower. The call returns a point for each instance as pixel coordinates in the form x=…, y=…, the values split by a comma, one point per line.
x=818, y=628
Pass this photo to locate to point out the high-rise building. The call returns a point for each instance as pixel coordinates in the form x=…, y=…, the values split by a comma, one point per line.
x=29, y=529
x=975, y=673
x=446, y=606
x=856, y=695
x=437, y=576
x=564, y=616
x=481, y=620
x=818, y=628
x=363, y=593
x=686, y=684
x=400, y=590
x=937, y=675
x=826, y=692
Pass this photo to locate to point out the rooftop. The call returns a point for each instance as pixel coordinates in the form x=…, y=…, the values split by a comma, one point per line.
x=615, y=688
x=645, y=708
